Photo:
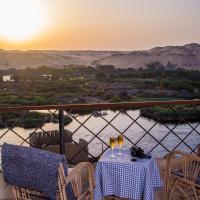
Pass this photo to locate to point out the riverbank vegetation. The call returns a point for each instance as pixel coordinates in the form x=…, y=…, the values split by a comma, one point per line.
x=86, y=84
x=178, y=114
x=29, y=119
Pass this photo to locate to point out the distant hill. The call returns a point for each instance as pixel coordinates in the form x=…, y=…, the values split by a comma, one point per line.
x=187, y=56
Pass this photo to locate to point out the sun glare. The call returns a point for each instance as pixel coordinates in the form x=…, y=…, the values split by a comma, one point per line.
x=21, y=20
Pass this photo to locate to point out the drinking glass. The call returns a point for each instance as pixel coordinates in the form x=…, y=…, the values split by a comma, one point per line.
x=112, y=145
x=120, y=141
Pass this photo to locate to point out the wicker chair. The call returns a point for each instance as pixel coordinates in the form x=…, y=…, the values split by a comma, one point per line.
x=182, y=176
x=81, y=179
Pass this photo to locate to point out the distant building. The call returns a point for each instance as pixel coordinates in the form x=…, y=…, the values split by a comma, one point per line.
x=49, y=76
x=170, y=68
x=7, y=78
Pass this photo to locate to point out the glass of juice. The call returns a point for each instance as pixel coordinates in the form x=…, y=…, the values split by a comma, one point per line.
x=120, y=141
x=112, y=145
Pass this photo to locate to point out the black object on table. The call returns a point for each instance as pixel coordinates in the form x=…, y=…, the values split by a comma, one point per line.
x=138, y=152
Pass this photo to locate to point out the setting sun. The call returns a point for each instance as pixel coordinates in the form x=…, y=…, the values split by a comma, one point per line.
x=21, y=20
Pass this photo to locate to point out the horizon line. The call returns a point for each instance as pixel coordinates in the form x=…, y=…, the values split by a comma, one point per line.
x=98, y=50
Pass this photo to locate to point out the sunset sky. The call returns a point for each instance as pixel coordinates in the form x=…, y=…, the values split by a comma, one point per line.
x=98, y=24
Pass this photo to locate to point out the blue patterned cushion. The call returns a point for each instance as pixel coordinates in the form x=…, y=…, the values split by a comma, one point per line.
x=34, y=169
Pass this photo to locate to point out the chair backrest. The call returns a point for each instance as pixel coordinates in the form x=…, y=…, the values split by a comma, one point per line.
x=183, y=164
x=62, y=183
x=82, y=173
x=29, y=194
x=191, y=167
x=34, y=168
x=81, y=179
x=183, y=167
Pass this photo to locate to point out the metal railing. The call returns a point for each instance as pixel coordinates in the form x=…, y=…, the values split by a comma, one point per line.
x=82, y=131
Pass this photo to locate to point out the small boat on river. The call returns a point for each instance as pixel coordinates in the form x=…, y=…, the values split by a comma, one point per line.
x=99, y=113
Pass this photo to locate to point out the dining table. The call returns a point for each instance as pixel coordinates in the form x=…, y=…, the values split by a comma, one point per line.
x=125, y=177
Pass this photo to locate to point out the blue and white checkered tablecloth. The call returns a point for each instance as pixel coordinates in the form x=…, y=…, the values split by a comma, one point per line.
x=121, y=177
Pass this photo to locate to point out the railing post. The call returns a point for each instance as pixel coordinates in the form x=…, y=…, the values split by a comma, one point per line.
x=61, y=131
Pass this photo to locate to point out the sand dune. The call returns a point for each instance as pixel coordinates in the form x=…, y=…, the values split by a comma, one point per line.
x=187, y=56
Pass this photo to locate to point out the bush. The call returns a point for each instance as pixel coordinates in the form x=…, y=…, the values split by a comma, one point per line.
x=29, y=119
x=115, y=99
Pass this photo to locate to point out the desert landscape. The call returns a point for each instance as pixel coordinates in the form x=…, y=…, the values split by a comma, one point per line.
x=187, y=56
